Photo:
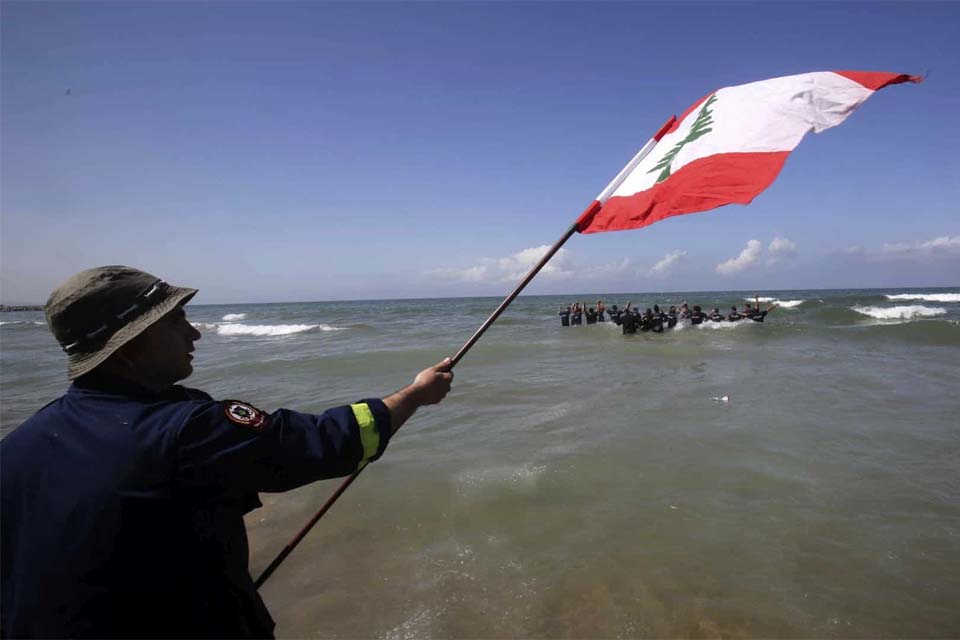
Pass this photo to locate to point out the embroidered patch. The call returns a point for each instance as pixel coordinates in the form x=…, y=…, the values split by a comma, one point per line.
x=246, y=414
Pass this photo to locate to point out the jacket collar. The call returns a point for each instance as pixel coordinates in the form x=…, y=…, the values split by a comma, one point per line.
x=95, y=382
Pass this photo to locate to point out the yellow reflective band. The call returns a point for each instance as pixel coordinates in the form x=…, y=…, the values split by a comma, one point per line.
x=369, y=435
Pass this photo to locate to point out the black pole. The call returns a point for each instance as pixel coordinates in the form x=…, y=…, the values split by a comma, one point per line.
x=463, y=350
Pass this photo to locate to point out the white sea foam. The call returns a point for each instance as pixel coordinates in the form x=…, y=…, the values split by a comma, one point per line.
x=790, y=304
x=234, y=329
x=724, y=325
x=524, y=478
x=237, y=329
x=233, y=317
x=926, y=297
x=39, y=323
x=900, y=313
x=786, y=304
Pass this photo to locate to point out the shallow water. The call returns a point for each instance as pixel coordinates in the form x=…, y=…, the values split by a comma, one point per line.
x=582, y=483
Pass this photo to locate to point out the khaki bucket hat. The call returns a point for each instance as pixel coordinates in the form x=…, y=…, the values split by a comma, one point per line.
x=99, y=310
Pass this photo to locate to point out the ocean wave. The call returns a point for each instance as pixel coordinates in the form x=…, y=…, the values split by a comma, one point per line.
x=38, y=323
x=786, y=304
x=926, y=297
x=237, y=329
x=232, y=329
x=905, y=312
x=233, y=317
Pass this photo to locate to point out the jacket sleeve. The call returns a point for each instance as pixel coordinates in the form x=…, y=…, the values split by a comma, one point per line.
x=233, y=446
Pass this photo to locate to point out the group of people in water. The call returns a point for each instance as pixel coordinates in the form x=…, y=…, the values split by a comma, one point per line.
x=654, y=320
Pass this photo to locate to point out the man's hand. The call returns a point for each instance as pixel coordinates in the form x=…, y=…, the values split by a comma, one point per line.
x=429, y=387
x=433, y=383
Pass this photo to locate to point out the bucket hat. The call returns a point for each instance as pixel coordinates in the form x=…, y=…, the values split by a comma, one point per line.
x=97, y=311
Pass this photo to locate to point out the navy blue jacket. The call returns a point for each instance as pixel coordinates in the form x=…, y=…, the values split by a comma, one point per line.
x=122, y=509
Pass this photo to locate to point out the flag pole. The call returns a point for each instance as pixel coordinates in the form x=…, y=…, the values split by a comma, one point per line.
x=578, y=224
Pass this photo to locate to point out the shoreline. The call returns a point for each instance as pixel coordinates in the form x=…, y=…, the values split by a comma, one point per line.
x=21, y=307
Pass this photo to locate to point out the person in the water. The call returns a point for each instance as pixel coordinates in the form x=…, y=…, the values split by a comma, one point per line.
x=564, y=317
x=591, y=314
x=615, y=314
x=576, y=314
x=629, y=321
x=734, y=315
x=715, y=315
x=684, y=311
x=672, y=317
x=697, y=316
x=601, y=309
x=758, y=315
x=656, y=320
x=646, y=319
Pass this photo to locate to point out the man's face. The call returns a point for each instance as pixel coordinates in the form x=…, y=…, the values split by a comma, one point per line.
x=161, y=354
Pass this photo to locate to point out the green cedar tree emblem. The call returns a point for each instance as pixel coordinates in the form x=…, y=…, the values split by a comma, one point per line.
x=701, y=126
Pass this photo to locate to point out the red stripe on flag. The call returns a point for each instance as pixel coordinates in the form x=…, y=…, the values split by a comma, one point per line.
x=704, y=184
x=876, y=80
x=587, y=215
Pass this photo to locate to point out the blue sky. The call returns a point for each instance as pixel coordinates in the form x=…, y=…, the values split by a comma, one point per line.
x=311, y=151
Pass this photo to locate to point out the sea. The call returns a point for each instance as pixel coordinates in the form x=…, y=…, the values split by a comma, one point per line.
x=795, y=478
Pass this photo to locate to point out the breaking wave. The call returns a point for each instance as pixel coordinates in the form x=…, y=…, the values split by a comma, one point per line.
x=926, y=297
x=905, y=312
x=259, y=330
x=38, y=323
x=786, y=304
x=233, y=317
x=231, y=329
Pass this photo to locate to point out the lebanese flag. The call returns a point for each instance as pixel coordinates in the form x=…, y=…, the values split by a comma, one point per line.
x=728, y=147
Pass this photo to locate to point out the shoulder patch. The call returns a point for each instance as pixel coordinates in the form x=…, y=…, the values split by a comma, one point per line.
x=246, y=415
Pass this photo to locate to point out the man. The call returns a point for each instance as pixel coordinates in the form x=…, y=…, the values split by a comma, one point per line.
x=576, y=318
x=123, y=500
x=672, y=317
x=734, y=315
x=591, y=314
x=615, y=314
x=715, y=315
x=629, y=320
x=564, y=317
x=656, y=319
x=698, y=316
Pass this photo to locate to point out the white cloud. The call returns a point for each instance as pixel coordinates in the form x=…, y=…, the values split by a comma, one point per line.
x=938, y=248
x=512, y=267
x=943, y=244
x=747, y=258
x=667, y=263
x=779, y=249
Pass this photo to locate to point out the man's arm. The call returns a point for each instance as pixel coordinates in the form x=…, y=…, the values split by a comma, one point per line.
x=429, y=387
